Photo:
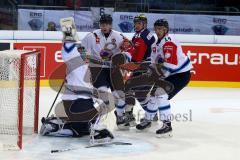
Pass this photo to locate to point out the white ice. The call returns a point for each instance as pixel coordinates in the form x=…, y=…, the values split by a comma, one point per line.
x=212, y=132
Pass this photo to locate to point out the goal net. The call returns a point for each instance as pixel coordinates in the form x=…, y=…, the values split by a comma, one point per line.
x=19, y=96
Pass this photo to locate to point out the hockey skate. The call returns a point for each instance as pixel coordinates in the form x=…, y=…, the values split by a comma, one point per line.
x=122, y=122
x=99, y=135
x=69, y=29
x=144, y=124
x=131, y=119
x=165, y=131
x=48, y=126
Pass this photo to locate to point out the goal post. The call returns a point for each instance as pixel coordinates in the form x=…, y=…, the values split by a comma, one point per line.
x=19, y=96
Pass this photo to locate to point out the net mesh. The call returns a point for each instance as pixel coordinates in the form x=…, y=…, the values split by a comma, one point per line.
x=10, y=67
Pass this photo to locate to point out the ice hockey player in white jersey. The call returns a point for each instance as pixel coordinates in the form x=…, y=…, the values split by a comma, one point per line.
x=83, y=104
x=106, y=44
x=171, y=65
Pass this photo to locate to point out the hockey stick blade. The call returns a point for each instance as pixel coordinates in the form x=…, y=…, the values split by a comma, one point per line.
x=106, y=144
x=130, y=66
x=90, y=146
x=62, y=150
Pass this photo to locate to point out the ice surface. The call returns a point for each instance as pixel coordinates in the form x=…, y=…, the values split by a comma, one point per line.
x=212, y=131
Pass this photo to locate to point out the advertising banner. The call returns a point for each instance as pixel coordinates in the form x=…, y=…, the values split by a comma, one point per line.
x=97, y=12
x=50, y=57
x=183, y=23
x=214, y=63
x=48, y=20
x=123, y=21
x=52, y=18
x=211, y=62
x=30, y=19
x=83, y=21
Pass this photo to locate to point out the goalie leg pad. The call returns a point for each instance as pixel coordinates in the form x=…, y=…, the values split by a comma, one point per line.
x=57, y=127
x=54, y=126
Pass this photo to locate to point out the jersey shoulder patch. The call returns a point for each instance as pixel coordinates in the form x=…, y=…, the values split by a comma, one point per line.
x=167, y=39
x=146, y=34
x=97, y=39
x=149, y=36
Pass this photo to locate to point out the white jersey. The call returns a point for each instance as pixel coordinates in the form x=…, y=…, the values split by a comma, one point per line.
x=78, y=75
x=169, y=51
x=95, y=42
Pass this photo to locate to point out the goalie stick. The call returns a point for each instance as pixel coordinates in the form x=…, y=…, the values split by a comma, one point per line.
x=90, y=146
x=56, y=98
x=110, y=143
x=130, y=66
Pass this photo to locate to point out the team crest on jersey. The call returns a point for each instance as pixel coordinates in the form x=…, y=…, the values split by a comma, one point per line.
x=154, y=49
x=97, y=40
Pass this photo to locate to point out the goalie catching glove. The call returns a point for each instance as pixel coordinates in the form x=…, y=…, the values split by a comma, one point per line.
x=69, y=29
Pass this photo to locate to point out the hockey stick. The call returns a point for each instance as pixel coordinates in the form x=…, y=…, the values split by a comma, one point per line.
x=56, y=98
x=90, y=146
x=131, y=66
x=63, y=150
x=106, y=144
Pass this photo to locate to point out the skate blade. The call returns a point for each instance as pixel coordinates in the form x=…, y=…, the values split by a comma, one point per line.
x=100, y=142
x=110, y=143
x=123, y=127
x=143, y=130
x=165, y=135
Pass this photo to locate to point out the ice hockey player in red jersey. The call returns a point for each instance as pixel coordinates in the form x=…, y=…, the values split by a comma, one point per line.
x=140, y=50
x=142, y=39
